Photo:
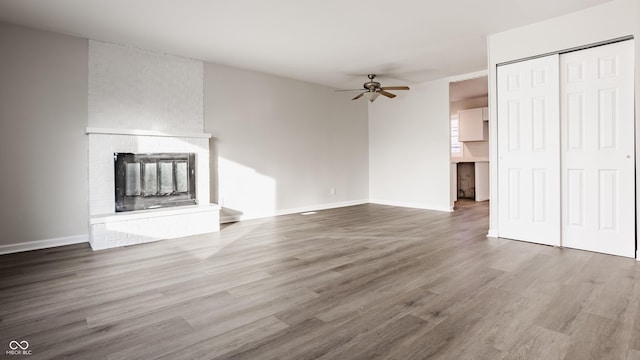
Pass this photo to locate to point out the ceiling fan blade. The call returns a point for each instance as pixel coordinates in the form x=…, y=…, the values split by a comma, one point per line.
x=387, y=94
x=358, y=97
x=395, y=88
x=349, y=90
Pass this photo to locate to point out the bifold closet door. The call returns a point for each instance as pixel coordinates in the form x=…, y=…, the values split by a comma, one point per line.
x=598, y=177
x=529, y=151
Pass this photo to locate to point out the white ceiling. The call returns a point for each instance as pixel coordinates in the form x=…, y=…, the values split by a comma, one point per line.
x=330, y=42
x=467, y=89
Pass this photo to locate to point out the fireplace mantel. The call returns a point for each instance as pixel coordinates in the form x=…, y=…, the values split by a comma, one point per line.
x=136, y=132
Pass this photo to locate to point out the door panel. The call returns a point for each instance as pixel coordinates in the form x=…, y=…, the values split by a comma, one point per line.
x=598, y=178
x=528, y=151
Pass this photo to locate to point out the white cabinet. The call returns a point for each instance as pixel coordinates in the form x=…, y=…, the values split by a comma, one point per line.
x=482, y=181
x=454, y=184
x=471, y=125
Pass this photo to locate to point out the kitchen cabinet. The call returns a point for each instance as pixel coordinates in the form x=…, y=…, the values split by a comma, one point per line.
x=482, y=180
x=471, y=125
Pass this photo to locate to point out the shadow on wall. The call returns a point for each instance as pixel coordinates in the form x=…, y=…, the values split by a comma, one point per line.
x=242, y=192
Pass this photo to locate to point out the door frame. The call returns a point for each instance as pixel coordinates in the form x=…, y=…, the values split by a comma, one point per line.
x=457, y=78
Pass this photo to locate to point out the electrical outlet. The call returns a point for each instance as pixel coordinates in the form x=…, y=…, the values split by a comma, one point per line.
x=333, y=191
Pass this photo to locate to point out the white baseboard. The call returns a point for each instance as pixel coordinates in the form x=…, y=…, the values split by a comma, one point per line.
x=234, y=218
x=411, y=205
x=492, y=233
x=322, y=207
x=43, y=244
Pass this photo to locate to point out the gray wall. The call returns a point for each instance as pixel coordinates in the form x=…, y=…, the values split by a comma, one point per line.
x=43, y=115
x=281, y=144
x=303, y=138
x=409, y=148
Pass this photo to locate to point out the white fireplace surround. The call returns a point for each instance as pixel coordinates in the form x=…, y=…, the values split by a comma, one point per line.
x=144, y=102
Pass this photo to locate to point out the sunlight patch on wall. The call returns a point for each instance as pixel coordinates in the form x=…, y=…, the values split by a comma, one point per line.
x=243, y=192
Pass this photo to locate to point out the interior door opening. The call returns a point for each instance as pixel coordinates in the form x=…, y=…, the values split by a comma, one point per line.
x=469, y=115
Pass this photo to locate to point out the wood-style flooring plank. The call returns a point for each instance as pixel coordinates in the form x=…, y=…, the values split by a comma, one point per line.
x=539, y=343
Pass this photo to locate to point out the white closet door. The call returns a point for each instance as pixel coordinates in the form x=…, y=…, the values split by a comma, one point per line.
x=529, y=151
x=598, y=189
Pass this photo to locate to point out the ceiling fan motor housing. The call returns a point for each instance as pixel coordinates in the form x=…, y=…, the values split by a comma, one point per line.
x=372, y=86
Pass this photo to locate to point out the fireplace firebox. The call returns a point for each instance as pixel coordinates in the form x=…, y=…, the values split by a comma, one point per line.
x=158, y=180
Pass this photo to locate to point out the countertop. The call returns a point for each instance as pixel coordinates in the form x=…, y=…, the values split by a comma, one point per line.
x=455, y=160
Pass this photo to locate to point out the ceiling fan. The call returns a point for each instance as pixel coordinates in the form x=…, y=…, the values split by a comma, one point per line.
x=372, y=89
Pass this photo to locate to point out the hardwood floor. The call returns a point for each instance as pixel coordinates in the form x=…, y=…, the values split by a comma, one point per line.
x=361, y=282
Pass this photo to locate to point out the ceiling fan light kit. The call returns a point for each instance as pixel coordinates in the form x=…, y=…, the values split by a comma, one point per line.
x=371, y=95
x=373, y=89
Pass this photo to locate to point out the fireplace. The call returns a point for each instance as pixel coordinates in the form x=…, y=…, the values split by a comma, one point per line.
x=153, y=184
x=150, y=181
x=148, y=131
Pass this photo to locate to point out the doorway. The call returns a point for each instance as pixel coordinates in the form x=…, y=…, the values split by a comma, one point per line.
x=468, y=109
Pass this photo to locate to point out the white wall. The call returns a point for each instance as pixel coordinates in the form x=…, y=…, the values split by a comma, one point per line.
x=281, y=145
x=608, y=21
x=131, y=88
x=43, y=115
x=409, y=148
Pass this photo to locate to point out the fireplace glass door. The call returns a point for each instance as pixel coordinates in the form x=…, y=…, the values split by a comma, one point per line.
x=149, y=181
